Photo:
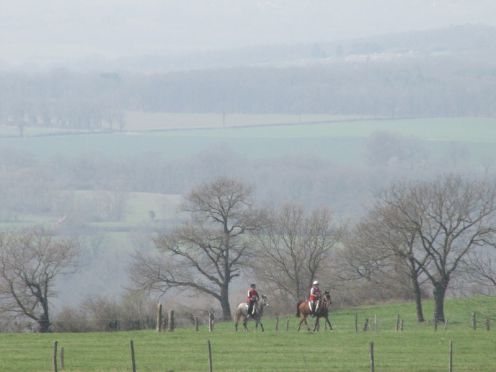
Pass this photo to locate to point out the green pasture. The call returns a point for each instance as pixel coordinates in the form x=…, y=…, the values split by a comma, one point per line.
x=137, y=213
x=417, y=348
x=340, y=141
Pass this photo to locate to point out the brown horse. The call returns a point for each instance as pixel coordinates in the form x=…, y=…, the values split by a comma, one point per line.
x=303, y=311
x=242, y=313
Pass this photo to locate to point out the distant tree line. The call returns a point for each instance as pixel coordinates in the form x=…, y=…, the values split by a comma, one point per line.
x=413, y=86
x=61, y=99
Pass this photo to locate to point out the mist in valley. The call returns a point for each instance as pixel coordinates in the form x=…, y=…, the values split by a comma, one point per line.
x=111, y=112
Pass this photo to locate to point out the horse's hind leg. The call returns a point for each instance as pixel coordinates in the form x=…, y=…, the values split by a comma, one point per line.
x=236, y=323
x=299, y=325
x=308, y=327
x=303, y=320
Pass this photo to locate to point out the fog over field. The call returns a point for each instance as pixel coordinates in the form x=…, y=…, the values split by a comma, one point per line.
x=112, y=111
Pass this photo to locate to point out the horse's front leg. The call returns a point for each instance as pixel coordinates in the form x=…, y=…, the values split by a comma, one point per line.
x=261, y=325
x=328, y=322
x=317, y=324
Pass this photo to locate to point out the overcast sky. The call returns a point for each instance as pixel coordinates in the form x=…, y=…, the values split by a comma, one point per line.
x=44, y=31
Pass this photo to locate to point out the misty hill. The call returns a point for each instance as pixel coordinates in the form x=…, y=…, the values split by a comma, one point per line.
x=452, y=40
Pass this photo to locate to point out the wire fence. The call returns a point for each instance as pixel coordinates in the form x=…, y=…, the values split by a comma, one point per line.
x=347, y=323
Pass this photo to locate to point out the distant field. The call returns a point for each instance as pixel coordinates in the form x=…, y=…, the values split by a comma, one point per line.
x=137, y=213
x=340, y=141
x=143, y=121
x=417, y=348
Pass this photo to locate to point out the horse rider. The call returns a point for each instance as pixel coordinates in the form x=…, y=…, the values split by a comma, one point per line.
x=314, y=296
x=252, y=299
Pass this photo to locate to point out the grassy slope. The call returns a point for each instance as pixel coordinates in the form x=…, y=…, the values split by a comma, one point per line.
x=418, y=348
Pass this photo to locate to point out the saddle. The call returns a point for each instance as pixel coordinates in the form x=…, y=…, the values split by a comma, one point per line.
x=253, y=310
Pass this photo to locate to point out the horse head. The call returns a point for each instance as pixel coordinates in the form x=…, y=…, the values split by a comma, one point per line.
x=263, y=301
x=326, y=300
x=327, y=297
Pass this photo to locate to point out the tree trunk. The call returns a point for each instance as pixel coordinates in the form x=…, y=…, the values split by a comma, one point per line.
x=418, y=295
x=439, y=294
x=44, y=324
x=224, y=303
x=44, y=320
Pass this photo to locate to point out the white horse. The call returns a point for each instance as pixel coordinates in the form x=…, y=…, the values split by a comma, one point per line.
x=242, y=312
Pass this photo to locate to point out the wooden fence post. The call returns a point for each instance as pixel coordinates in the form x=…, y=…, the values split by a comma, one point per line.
x=372, y=360
x=159, y=317
x=375, y=322
x=277, y=323
x=450, y=365
x=397, y=322
x=61, y=358
x=196, y=324
x=474, y=321
x=401, y=325
x=210, y=365
x=210, y=322
x=366, y=325
x=133, y=359
x=171, y=321
x=287, y=324
x=356, y=323
x=54, y=359
x=488, y=324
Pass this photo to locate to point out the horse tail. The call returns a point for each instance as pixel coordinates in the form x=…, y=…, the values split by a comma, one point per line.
x=298, y=307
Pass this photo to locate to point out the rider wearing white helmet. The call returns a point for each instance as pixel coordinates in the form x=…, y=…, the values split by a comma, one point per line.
x=314, y=296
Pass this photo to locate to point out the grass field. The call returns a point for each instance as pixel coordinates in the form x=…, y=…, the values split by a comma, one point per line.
x=417, y=348
x=341, y=141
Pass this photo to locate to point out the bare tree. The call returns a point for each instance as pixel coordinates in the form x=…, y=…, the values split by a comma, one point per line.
x=30, y=262
x=451, y=216
x=481, y=269
x=293, y=248
x=384, y=243
x=207, y=252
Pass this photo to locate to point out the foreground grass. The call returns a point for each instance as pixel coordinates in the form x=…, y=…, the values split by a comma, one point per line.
x=417, y=348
